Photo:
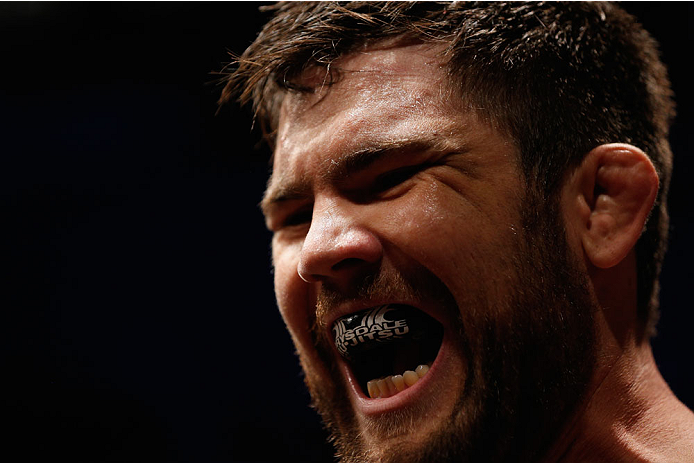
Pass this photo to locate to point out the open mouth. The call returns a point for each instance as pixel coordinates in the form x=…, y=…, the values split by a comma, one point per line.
x=389, y=347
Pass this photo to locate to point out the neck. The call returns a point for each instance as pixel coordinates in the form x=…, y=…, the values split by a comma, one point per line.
x=630, y=413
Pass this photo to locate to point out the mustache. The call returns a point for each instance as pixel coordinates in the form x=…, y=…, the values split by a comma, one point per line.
x=385, y=285
x=389, y=284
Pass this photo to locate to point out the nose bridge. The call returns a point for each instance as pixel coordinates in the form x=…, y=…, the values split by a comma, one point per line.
x=326, y=224
x=337, y=243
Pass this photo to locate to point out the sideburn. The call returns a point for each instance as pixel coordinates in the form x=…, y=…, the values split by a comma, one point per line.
x=552, y=353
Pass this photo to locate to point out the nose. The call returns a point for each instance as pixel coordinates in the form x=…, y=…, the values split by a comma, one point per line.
x=338, y=246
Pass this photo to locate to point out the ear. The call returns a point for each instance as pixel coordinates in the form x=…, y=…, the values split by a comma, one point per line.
x=613, y=191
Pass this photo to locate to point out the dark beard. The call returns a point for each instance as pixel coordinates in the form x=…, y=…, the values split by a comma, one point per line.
x=527, y=371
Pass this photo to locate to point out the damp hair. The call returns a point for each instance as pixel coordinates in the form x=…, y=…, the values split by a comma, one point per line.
x=558, y=78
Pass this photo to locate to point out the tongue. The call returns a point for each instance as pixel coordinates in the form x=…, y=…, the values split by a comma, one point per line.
x=380, y=326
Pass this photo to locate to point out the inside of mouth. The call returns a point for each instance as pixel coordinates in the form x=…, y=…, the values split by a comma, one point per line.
x=386, y=341
x=396, y=358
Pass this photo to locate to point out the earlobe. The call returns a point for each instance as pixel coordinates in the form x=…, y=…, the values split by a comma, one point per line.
x=619, y=185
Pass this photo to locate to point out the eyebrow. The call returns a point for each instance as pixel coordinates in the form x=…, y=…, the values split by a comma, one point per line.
x=347, y=165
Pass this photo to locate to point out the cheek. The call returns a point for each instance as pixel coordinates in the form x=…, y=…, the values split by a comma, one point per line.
x=297, y=303
x=291, y=292
x=467, y=244
x=419, y=218
x=435, y=226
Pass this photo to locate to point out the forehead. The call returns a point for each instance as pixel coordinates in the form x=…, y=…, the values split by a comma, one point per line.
x=400, y=76
x=383, y=94
x=385, y=98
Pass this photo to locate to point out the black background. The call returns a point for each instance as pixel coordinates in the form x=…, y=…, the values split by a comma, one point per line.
x=140, y=323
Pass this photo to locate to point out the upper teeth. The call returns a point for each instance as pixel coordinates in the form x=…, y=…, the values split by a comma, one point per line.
x=391, y=385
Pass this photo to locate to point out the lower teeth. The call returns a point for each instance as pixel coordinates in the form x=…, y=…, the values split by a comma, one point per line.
x=391, y=385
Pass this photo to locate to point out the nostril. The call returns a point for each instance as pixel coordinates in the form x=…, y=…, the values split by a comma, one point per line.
x=348, y=263
x=343, y=266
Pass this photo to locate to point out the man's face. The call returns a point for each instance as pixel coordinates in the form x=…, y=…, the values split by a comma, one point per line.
x=386, y=191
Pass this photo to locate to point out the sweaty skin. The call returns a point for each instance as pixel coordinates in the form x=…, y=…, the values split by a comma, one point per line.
x=386, y=176
x=392, y=101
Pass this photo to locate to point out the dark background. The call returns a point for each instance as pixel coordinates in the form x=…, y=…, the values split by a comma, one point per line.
x=140, y=323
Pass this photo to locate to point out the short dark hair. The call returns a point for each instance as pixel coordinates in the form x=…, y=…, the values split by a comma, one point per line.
x=558, y=78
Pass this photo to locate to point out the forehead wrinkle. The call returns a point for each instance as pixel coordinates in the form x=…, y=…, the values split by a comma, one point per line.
x=360, y=159
x=356, y=151
x=282, y=187
x=318, y=77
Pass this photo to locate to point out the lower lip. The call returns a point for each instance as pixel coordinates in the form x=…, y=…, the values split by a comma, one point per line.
x=373, y=407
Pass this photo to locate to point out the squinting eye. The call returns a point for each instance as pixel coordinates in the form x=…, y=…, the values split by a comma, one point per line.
x=299, y=217
x=395, y=177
